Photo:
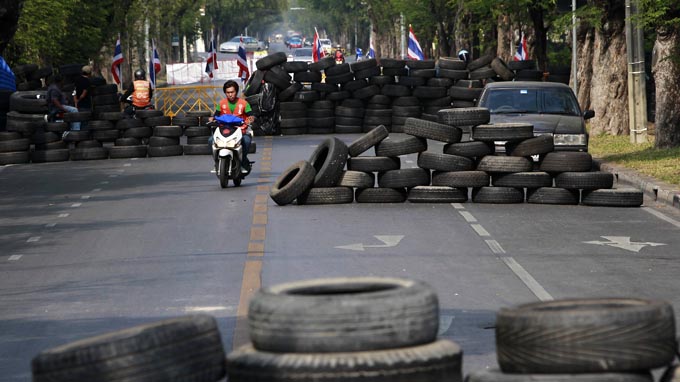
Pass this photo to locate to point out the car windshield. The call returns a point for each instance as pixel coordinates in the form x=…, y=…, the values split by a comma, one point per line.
x=544, y=101
x=302, y=53
x=325, y=41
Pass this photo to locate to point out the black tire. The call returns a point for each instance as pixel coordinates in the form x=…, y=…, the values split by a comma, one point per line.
x=529, y=179
x=51, y=146
x=165, y=151
x=380, y=195
x=480, y=62
x=289, y=92
x=368, y=140
x=271, y=60
x=344, y=111
x=322, y=64
x=396, y=90
x=294, y=66
x=295, y=180
x=187, y=348
x=88, y=144
x=454, y=74
x=100, y=125
x=585, y=336
x=501, y=69
x=155, y=141
x=56, y=127
x=307, y=77
x=15, y=145
x=9, y=135
x=77, y=136
x=328, y=159
x=357, y=179
x=128, y=123
x=90, y=153
x=79, y=116
x=405, y=177
x=533, y=146
x=326, y=195
x=118, y=152
x=367, y=73
x=27, y=101
x=411, y=81
x=437, y=194
x=157, y=121
x=441, y=82
x=497, y=195
x=15, y=157
x=504, y=164
x=567, y=161
x=471, y=116
x=395, y=72
x=198, y=113
x=373, y=164
x=432, y=130
x=323, y=87
x=197, y=131
x=44, y=156
x=340, y=79
x=127, y=142
x=460, y=178
x=585, y=180
x=337, y=69
x=366, y=92
x=167, y=131
x=364, y=64
x=435, y=362
x=354, y=85
x=138, y=132
x=503, y=132
x=429, y=92
x=106, y=135
x=615, y=197
x=420, y=64
x=394, y=63
x=452, y=63
x=105, y=99
x=381, y=80
x=444, y=162
x=495, y=375
x=471, y=149
x=553, y=195
x=306, y=96
x=464, y=93
x=279, y=81
x=394, y=146
x=185, y=121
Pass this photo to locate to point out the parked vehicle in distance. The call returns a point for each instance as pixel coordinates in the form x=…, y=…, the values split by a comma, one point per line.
x=326, y=45
x=250, y=43
x=294, y=42
x=551, y=107
x=302, y=54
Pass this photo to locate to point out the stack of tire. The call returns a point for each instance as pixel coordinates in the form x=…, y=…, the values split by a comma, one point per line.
x=4, y=107
x=525, y=70
x=594, y=340
x=345, y=329
x=196, y=132
x=87, y=142
x=164, y=138
x=179, y=349
x=30, y=77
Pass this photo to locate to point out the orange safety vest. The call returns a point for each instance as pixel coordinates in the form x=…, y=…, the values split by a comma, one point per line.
x=239, y=111
x=141, y=96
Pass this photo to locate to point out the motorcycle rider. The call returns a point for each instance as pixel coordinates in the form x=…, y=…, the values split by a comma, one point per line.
x=238, y=107
x=141, y=92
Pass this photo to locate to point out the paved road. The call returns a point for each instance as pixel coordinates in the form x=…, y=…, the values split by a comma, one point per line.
x=90, y=247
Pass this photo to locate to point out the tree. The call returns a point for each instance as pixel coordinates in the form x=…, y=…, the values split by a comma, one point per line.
x=9, y=18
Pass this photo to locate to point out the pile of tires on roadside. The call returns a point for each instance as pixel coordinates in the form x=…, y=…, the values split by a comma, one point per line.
x=337, y=173
x=379, y=329
x=105, y=133
x=326, y=98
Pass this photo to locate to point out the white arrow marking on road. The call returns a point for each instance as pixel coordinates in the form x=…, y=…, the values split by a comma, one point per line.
x=389, y=241
x=623, y=242
x=444, y=324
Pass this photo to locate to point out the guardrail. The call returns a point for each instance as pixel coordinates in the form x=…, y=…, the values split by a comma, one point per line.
x=180, y=99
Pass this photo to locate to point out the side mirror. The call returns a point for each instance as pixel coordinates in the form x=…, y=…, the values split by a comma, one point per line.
x=588, y=114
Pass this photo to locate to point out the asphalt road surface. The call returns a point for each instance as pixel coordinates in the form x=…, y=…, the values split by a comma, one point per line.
x=95, y=246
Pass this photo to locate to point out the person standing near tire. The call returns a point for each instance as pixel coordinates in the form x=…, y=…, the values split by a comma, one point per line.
x=83, y=98
x=56, y=102
x=140, y=90
x=238, y=107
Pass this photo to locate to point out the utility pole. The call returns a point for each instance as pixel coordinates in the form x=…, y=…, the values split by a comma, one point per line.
x=403, y=37
x=637, y=96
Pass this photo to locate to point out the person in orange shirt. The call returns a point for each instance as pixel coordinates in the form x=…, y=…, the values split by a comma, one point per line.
x=141, y=92
x=238, y=107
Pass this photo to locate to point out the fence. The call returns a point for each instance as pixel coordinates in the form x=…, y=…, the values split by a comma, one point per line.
x=180, y=99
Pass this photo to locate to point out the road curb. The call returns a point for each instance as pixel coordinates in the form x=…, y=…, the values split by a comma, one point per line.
x=659, y=191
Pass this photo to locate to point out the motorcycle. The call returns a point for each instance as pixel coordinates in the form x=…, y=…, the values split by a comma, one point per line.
x=130, y=109
x=227, y=150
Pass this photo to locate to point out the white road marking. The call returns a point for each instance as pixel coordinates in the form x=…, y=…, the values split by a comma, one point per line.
x=50, y=225
x=14, y=257
x=63, y=215
x=623, y=242
x=104, y=182
x=527, y=279
x=458, y=206
x=33, y=239
x=445, y=322
x=480, y=230
x=74, y=205
x=388, y=241
x=662, y=216
x=127, y=165
x=96, y=190
x=495, y=247
x=85, y=197
x=468, y=216
x=133, y=158
x=204, y=308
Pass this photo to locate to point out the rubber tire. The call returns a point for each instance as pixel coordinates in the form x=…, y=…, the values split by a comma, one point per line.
x=615, y=197
x=553, y=195
x=394, y=146
x=529, y=179
x=373, y=164
x=567, y=161
x=405, y=177
x=14, y=145
x=438, y=361
x=444, y=162
x=165, y=151
x=163, y=141
x=503, y=132
x=533, y=146
x=432, y=130
x=271, y=60
x=496, y=375
x=90, y=153
x=470, y=149
x=504, y=164
x=438, y=194
x=585, y=336
x=471, y=116
x=460, y=178
x=295, y=180
x=497, y=195
x=357, y=179
x=186, y=348
x=44, y=156
x=15, y=157
x=368, y=140
x=380, y=195
x=326, y=195
x=328, y=159
x=201, y=149
x=118, y=152
x=585, y=180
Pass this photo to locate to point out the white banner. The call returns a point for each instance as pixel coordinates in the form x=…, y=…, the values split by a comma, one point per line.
x=194, y=73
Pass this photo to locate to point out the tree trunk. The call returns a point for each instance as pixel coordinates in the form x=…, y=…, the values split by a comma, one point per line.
x=9, y=18
x=666, y=70
x=603, y=73
x=541, y=37
x=506, y=38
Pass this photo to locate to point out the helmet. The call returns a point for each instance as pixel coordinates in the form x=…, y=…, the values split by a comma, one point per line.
x=464, y=55
x=140, y=74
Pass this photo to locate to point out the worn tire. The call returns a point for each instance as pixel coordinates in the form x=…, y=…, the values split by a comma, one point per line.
x=55, y=155
x=470, y=116
x=615, y=197
x=585, y=336
x=503, y=132
x=437, y=194
x=328, y=159
x=470, y=149
x=357, y=179
x=533, y=146
x=14, y=157
x=566, y=161
x=438, y=361
x=200, y=149
x=394, y=146
x=373, y=164
x=118, y=152
x=327, y=195
x=432, y=130
x=368, y=140
x=528, y=179
x=497, y=195
x=165, y=151
x=405, y=177
x=458, y=179
x=380, y=195
x=187, y=348
x=504, y=164
x=585, y=180
x=553, y=195
x=295, y=180
x=444, y=162
x=90, y=153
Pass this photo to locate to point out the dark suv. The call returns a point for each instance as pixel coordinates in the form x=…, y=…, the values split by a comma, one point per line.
x=551, y=107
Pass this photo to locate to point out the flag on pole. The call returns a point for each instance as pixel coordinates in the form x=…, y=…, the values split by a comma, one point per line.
x=211, y=63
x=522, y=53
x=154, y=65
x=414, y=51
x=317, y=51
x=371, y=50
x=242, y=62
x=117, y=61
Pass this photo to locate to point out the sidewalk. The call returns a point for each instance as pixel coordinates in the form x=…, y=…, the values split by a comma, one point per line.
x=659, y=191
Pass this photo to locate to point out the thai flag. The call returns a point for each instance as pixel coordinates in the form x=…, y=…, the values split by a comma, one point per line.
x=317, y=51
x=414, y=51
x=154, y=65
x=117, y=61
x=211, y=64
x=242, y=62
x=522, y=53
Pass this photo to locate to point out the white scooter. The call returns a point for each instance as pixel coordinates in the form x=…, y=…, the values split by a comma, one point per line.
x=227, y=150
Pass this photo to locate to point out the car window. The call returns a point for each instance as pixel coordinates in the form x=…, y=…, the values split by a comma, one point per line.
x=302, y=52
x=235, y=39
x=559, y=101
x=550, y=101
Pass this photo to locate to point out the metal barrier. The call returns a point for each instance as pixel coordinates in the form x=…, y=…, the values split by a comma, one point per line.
x=176, y=99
